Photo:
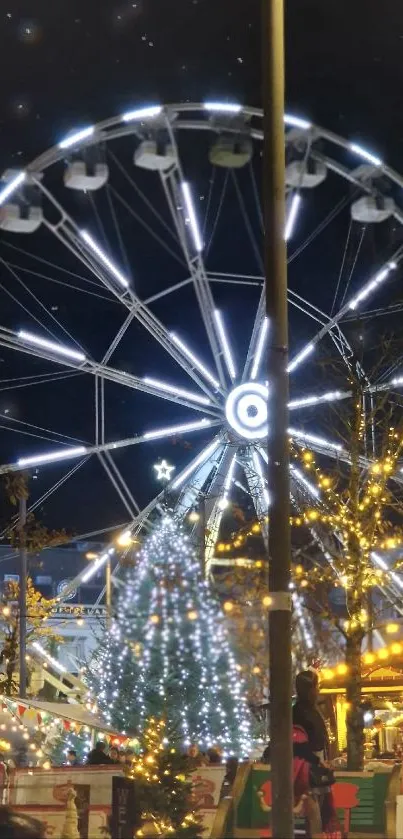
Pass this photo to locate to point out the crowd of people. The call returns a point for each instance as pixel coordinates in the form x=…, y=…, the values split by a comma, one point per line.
x=101, y=756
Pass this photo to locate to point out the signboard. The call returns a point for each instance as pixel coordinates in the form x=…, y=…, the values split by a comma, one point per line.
x=125, y=816
x=207, y=782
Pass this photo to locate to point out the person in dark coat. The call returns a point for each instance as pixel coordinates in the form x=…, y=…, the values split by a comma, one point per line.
x=306, y=714
x=98, y=756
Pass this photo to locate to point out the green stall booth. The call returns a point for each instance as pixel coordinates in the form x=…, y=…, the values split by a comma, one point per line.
x=365, y=801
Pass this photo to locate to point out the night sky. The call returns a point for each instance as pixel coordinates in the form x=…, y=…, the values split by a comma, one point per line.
x=70, y=63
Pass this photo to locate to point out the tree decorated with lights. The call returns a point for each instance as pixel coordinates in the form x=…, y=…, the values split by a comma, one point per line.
x=163, y=788
x=357, y=515
x=39, y=609
x=168, y=654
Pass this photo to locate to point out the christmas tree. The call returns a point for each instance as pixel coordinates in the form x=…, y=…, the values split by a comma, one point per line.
x=163, y=788
x=168, y=655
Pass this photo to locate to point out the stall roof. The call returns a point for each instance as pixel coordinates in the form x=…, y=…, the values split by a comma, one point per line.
x=75, y=713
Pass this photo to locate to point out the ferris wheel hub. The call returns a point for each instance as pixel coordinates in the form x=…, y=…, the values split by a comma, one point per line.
x=246, y=410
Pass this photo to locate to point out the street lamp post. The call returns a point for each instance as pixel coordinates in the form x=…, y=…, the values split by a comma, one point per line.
x=278, y=452
x=22, y=519
x=108, y=591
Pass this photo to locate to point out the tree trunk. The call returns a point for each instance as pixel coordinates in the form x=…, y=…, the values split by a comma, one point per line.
x=355, y=719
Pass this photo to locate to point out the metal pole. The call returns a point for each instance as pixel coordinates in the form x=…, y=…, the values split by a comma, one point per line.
x=23, y=598
x=278, y=450
x=108, y=591
x=202, y=531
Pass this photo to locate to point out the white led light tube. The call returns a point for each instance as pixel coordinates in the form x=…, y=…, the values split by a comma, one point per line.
x=258, y=467
x=292, y=216
x=223, y=107
x=193, y=358
x=96, y=565
x=331, y=396
x=194, y=397
x=370, y=286
x=303, y=480
x=29, y=338
x=104, y=258
x=142, y=113
x=259, y=349
x=200, y=459
x=300, y=357
x=297, y=122
x=11, y=187
x=225, y=344
x=77, y=137
x=51, y=457
x=177, y=429
x=366, y=155
x=191, y=217
x=312, y=438
x=379, y=561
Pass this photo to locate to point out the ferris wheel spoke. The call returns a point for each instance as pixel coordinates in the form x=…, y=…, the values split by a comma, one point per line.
x=370, y=287
x=318, y=399
x=217, y=501
x=83, y=245
x=118, y=482
x=257, y=485
x=60, y=354
x=68, y=452
x=257, y=342
x=181, y=205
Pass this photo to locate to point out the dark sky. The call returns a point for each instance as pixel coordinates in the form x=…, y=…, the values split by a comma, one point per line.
x=69, y=63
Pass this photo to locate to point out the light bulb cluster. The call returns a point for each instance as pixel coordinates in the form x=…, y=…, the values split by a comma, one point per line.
x=370, y=661
x=184, y=666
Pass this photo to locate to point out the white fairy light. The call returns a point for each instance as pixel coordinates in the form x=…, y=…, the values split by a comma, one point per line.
x=178, y=391
x=366, y=155
x=202, y=457
x=170, y=645
x=176, y=429
x=292, y=216
x=149, y=112
x=195, y=360
x=372, y=285
x=225, y=344
x=11, y=187
x=305, y=401
x=191, y=216
x=77, y=138
x=51, y=457
x=300, y=357
x=259, y=349
x=104, y=258
x=60, y=349
x=314, y=439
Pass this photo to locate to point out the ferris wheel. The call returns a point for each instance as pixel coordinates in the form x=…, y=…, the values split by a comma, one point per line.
x=151, y=222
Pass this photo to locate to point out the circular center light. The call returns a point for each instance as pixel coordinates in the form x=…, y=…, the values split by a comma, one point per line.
x=246, y=410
